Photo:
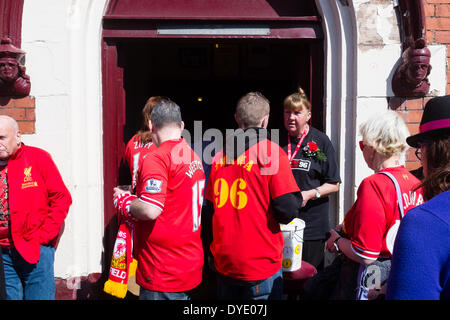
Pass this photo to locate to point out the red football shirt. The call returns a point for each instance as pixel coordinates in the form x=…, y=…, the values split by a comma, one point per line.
x=247, y=241
x=135, y=152
x=373, y=221
x=169, y=249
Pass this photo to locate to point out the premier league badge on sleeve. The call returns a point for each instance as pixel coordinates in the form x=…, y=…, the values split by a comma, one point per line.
x=153, y=186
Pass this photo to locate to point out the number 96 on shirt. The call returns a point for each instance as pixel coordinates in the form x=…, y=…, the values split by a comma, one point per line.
x=233, y=193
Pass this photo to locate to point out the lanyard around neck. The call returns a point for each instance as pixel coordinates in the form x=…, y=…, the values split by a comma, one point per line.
x=305, y=132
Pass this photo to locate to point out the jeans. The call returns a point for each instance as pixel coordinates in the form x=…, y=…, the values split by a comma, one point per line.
x=2, y=278
x=159, y=295
x=268, y=289
x=27, y=281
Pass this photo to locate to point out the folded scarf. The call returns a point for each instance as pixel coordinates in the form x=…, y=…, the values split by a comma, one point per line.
x=123, y=265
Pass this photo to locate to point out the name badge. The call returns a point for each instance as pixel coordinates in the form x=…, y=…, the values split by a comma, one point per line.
x=304, y=165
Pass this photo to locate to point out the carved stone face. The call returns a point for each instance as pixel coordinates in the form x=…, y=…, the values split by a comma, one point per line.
x=411, y=77
x=417, y=71
x=9, y=69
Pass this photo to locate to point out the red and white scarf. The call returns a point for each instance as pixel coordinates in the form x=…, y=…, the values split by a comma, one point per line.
x=123, y=265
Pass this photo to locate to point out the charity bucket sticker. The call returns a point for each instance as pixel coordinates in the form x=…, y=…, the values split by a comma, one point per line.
x=293, y=243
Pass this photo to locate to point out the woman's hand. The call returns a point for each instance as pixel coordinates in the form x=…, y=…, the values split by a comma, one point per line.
x=308, y=195
x=329, y=245
x=325, y=190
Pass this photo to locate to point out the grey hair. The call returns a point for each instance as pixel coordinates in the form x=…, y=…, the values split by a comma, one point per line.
x=251, y=108
x=166, y=112
x=386, y=133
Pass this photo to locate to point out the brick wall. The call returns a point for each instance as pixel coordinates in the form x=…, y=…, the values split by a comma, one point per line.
x=411, y=111
x=437, y=23
x=22, y=110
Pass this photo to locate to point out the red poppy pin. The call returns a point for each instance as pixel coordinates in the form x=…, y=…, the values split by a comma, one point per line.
x=312, y=150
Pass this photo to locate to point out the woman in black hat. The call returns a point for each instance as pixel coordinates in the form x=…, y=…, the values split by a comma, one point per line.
x=421, y=259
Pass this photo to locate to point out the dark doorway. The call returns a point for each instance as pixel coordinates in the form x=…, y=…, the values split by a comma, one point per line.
x=206, y=77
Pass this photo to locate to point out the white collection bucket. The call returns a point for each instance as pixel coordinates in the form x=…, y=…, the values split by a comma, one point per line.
x=293, y=244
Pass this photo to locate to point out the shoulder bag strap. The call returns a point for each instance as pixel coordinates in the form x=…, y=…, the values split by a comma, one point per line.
x=399, y=193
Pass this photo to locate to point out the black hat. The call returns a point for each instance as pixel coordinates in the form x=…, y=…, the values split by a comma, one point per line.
x=435, y=121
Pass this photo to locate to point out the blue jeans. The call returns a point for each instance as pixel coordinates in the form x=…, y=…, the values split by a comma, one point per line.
x=159, y=295
x=268, y=289
x=27, y=281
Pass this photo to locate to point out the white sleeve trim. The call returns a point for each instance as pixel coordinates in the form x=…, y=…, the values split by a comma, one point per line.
x=151, y=204
x=144, y=198
x=363, y=256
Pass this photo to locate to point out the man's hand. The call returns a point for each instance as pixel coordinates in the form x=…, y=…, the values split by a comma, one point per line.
x=122, y=201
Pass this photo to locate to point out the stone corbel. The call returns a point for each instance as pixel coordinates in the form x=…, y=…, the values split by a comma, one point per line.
x=14, y=82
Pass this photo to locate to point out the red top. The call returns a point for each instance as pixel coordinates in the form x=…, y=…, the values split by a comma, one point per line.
x=169, y=249
x=38, y=201
x=247, y=241
x=135, y=152
x=373, y=221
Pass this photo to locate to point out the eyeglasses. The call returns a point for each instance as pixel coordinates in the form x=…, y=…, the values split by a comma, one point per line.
x=361, y=145
x=418, y=154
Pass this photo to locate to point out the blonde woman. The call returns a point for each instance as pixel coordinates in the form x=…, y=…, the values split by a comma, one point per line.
x=313, y=163
x=367, y=234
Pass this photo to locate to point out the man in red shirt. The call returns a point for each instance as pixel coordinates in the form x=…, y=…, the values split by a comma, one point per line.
x=167, y=208
x=251, y=190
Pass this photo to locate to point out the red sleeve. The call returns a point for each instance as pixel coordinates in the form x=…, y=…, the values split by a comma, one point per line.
x=366, y=223
x=59, y=199
x=153, y=178
x=128, y=154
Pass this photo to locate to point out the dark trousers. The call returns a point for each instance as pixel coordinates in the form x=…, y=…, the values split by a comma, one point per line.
x=314, y=253
x=159, y=295
x=267, y=289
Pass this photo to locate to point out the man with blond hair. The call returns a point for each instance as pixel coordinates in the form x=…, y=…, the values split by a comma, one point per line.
x=33, y=205
x=251, y=191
